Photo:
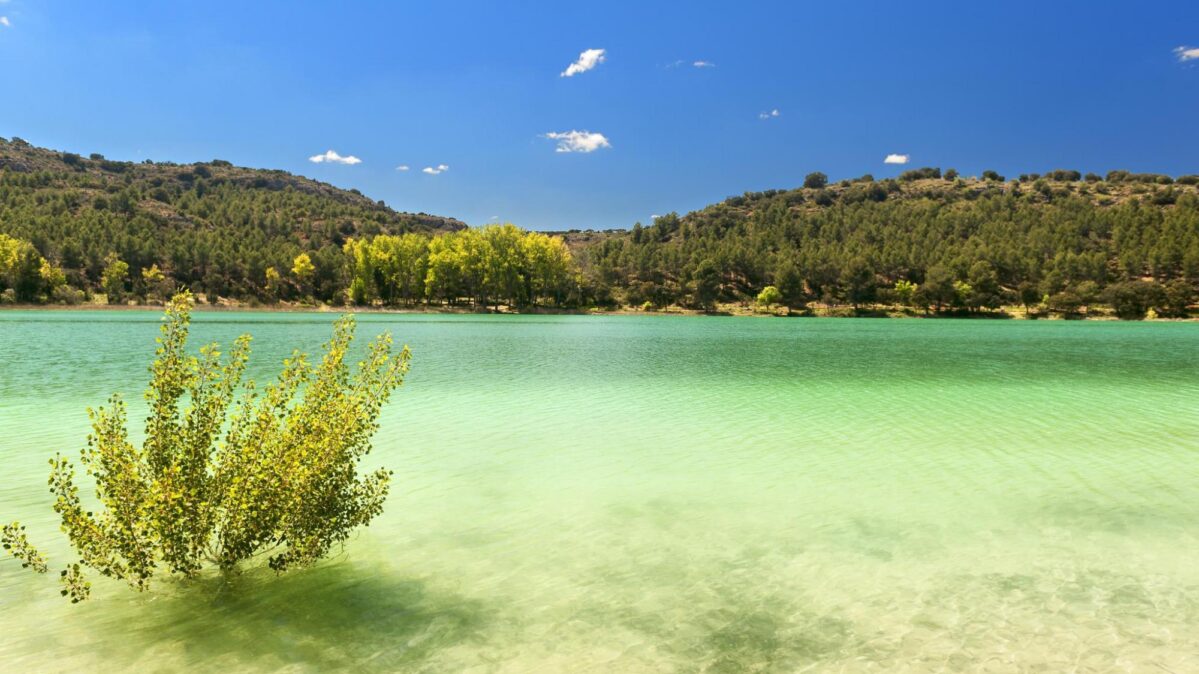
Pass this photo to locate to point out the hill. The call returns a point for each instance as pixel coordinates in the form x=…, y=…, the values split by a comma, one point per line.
x=926, y=239
x=212, y=226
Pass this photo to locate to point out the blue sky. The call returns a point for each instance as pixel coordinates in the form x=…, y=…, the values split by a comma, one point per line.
x=478, y=87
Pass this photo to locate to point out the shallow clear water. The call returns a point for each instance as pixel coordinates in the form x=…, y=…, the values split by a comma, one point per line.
x=677, y=494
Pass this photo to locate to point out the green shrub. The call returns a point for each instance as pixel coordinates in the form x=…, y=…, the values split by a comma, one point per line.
x=925, y=173
x=815, y=180
x=1132, y=300
x=769, y=296
x=224, y=477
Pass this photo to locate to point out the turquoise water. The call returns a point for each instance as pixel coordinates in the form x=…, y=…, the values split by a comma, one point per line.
x=654, y=494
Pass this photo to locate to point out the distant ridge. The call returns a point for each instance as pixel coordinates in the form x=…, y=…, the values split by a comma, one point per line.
x=209, y=225
x=18, y=156
x=1059, y=242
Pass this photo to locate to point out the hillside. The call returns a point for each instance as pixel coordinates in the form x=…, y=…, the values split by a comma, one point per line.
x=73, y=228
x=926, y=240
x=212, y=226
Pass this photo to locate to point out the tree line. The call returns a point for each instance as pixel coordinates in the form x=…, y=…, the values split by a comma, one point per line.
x=490, y=266
x=211, y=227
x=930, y=240
x=493, y=266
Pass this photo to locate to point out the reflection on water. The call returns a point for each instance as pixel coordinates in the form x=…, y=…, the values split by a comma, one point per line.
x=673, y=494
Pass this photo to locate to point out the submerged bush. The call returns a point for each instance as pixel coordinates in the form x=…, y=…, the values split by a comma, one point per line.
x=225, y=477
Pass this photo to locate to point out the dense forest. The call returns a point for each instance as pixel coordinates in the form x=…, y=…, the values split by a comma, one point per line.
x=1060, y=242
x=133, y=229
x=76, y=229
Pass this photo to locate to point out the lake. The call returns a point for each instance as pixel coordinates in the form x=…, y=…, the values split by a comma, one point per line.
x=652, y=494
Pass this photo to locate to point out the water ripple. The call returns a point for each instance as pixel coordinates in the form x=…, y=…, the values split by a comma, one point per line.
x=626, y=493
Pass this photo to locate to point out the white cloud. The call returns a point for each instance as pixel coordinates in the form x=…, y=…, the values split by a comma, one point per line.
x=768, y=115
x=578, y=141
x=587, y=60
x=695, y=64
x=4, y=21
x=897, y=159
x=402, y=167
x=435, y=170
x=333, y=158
x=1185, y=54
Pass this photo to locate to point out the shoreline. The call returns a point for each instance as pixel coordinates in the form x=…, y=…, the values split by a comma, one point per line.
x=729, y=310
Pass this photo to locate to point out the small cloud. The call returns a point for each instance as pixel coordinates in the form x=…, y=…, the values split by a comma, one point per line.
x=694, y=64
x=495, y=217
x=655, y=216
x=435, y=170
x=578, y=141
x=587, y=60
x=4, y=21
x=402, y=167
x=1184, y=54
x=333, y=158
x=769, y=115
x=897, y=159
